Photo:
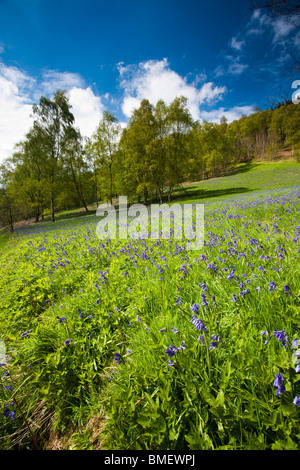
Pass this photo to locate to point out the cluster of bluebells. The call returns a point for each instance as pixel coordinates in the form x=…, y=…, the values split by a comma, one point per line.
x=278, y=382
x=199, y=325
x=7, y=413
x=280, y=335
x=118, y=358
x=26, y=334
x=172, y=351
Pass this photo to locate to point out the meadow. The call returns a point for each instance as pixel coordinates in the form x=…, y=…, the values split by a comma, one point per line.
x=142, y=344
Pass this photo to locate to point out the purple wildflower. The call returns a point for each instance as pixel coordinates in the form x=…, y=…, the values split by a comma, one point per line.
x=278, y=383
x=287, y=290
x=171, y=350
x=272, y=287
x=117, y=358
x=195, y=308
x=296, y=401
x=198, y=323
x=282, y=337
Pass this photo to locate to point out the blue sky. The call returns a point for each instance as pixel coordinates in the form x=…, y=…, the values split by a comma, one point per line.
x=225, y=58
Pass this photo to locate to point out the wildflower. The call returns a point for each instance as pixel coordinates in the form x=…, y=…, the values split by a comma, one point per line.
x=297, y=369
x=175, y=331
x=244, y=292
x=265, y=333
x=61, y=319
x=201, y=339
x=214, y=343
x=26, y=334
x=233, y=298
x=118, y=358
x=198, y=323
x=287, y=290
x=178, y=301
x=68, y=342
x=195, y=308
x=138, y=318
x=171, y=350
x=171, y=364
x=281, y=335
x=181, y=345
x=213, y=299
x=204, y=303
x=272, y=287
x=296, y=401
x=163, y=329
x=278, y=383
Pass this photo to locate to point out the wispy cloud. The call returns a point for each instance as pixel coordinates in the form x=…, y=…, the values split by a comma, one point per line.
x=237, y=45
x=231, y=114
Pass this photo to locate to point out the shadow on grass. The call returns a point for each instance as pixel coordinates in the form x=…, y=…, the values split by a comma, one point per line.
x=71, y=215
x=209, y=193
x=244, y=168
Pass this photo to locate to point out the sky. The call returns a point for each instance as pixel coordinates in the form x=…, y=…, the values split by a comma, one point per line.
x=225, y=58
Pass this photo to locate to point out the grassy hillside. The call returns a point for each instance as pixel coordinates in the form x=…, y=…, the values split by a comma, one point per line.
x=247, y=178
x=142, y=344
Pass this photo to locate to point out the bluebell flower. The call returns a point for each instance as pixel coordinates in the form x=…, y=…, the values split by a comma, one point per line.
x=198, y=323
x=171, y=364
x=296, y=401
x=117, y=358
x=214, y=343
x=278, y=382
x=204, y=303
x=287, y=290
x=272, y=287
x=282, y=337
x=195, y=308
x=68, y=342
x=171, y=350
x=61, y=319
x=175, y=331
x=267, y=334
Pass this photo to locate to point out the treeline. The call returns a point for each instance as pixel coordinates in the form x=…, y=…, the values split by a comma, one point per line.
x=54, y=168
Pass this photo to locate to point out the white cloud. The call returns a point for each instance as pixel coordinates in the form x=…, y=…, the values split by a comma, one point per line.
x=235, y=44
x=86, y=108
x=236, y=68
x=154, y=80
x=281, y=29
x=19, y=91
x=54, y=80
x=231, y=114
x=15, y=107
